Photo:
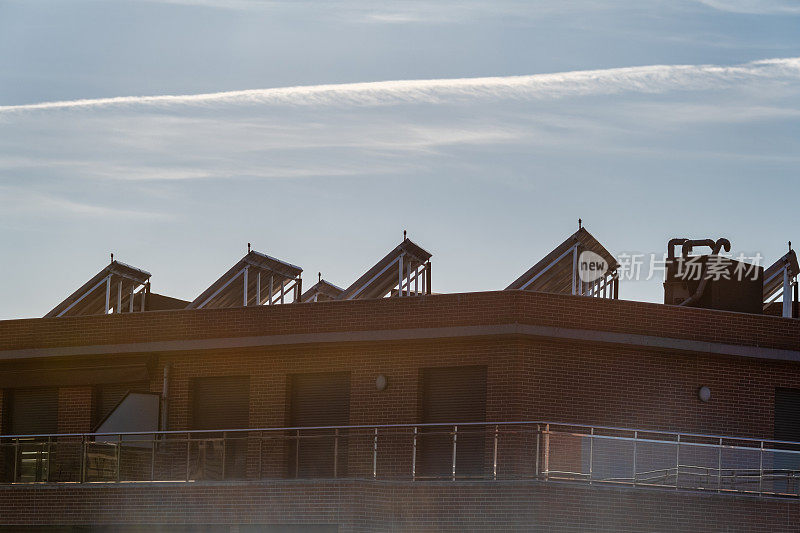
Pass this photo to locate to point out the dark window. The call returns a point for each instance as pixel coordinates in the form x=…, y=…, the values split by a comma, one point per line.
x=32, y=411
x=220, y=403
x=787, y=414
x=319, y=399
x=450, y=395
x=786, y=427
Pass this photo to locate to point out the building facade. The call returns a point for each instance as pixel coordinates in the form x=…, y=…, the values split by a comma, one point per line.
x=511, y=410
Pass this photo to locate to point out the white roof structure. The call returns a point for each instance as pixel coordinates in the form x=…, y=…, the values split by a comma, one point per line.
x=256, y=279
x=405, y=271
x=113, y=288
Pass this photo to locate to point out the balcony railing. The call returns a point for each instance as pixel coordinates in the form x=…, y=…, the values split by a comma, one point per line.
x=418, y=452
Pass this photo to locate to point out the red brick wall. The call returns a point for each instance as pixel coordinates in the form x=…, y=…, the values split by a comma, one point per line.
x=401, y=506
x=527, y=380
x=487, y=308
x=655, y=389
x=75, y=409
x=268, y=369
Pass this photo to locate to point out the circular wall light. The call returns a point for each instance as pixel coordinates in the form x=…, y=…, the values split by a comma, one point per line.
x=704, y=393
x=381, y=382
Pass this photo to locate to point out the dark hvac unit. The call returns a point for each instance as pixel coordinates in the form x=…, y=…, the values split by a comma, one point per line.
x=712, y=281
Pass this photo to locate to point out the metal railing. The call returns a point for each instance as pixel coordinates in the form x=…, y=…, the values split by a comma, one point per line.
x=463, y=451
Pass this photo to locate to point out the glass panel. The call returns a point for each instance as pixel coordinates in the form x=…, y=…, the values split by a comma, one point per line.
x=612, y=459
x=740, y=469
x=781, y=472
x=563, y=456
x=699, y=466
x=655, y=463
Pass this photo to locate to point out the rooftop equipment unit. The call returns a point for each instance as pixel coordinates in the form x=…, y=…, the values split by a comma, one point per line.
x=712, y=281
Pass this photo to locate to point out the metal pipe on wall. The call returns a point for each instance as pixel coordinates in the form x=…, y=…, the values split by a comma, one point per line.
x=165, y=396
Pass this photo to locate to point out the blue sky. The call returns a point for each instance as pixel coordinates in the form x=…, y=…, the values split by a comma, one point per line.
x=687, y=125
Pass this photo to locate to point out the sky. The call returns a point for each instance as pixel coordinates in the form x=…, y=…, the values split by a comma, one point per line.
x=174, y=132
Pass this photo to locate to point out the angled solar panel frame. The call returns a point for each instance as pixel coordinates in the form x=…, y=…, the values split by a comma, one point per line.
x=114, y=287
x=405, y=271
x=256, y=279
x=779, y=279
x=322, y=291
x=557, y=272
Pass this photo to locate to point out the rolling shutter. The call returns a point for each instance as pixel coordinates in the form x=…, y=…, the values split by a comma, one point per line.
x=786, y=427
x=34, y=411
x=221, y=403
x=319, y=399
x=451, y=395
x=787, y=414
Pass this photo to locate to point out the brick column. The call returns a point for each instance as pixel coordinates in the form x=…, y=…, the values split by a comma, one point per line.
x=5, y=460
x=75, y=409
x=74, y=416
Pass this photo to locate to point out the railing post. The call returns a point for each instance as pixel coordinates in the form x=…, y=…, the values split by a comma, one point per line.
x=494, y=462
x=719, y=467
x=16, y=460
x=260, y=454
x=49, y=443
x=119, y=455
x=153, y=458
x=591, y=454
x=761, y=469
x=635, y=440
x=538, y=438
x=224, y=451
x=547, y=451
x=188, y=452
x=297, y=455
x=677, y=460
x=83, y=459
x=37, y=471
x=414, y=456
x=336, y=453
x=375, y=455
x=455, y=439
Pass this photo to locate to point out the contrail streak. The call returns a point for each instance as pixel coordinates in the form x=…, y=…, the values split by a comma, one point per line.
x=644, y=79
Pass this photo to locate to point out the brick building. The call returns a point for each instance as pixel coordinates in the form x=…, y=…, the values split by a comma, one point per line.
x=551, y=405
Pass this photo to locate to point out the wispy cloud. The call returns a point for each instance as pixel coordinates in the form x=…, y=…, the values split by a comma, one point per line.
x=407, y=11
x=643, y=79
x=755, y=7
x=19, y=201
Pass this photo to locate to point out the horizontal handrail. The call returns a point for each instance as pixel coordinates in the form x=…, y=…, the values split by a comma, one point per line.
x=453, y=451
x=435, y=424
